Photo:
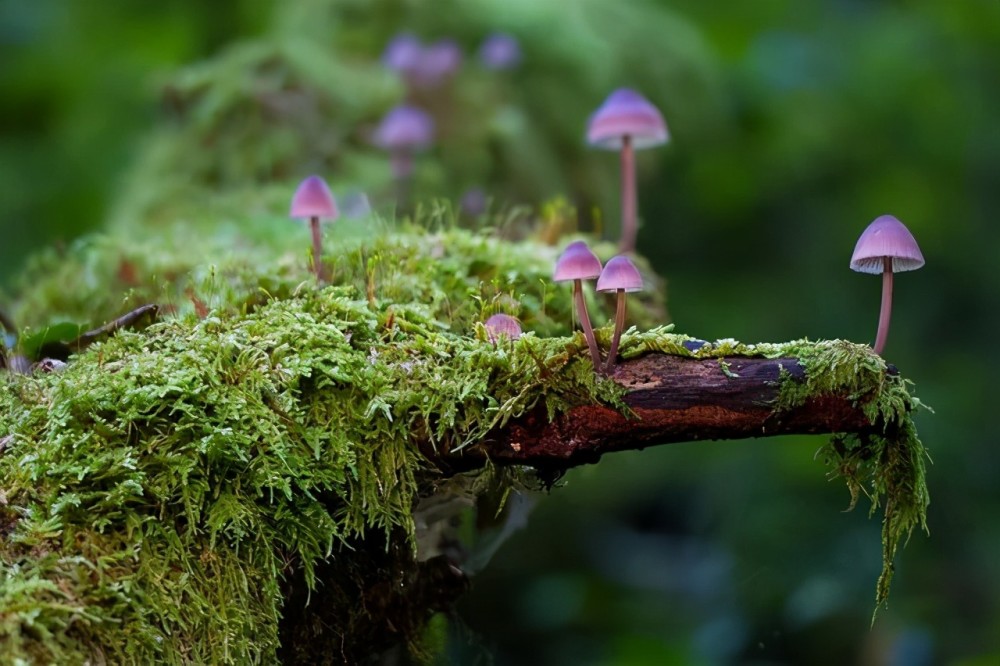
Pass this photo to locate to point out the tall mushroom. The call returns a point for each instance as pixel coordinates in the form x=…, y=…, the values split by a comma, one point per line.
x=402, y=55
x=402, y=132
x=438, y=63
x=886, y=247
x=578, y=263
x=314, y=201
x=619, y=275
x=627, y=121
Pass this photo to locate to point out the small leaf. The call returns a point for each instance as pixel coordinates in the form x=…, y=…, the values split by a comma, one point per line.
x=55, y=338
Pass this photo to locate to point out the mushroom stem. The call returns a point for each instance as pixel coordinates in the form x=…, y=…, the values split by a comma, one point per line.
x=588, y=331
x=886, y=311
x=317, y=248
x=616, y=338
x=629, y=224
x=402, y=170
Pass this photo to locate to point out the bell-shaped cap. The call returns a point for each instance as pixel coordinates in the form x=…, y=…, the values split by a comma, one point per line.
x=313, y=199
x=438, y=62
x=886, y=237
x=619, y=273
x=500, y=51
x=403, y=53
x=501, y=325
x=626, y=113
x=404, y=128
x=576, y=262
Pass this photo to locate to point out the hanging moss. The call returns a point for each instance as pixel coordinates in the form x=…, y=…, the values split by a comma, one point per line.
x=887, y=465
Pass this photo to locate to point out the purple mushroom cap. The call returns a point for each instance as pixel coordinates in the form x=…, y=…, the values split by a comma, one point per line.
x=886, y=237
x=404, y=128
x=313, y=199
x=502, y=325
x=403, y=53
x=619, y=273
x=438, y=62
x=500, y=51
x=576, y=262
x=626, y=113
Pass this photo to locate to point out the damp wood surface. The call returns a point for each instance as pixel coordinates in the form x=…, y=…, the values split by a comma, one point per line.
x=672, y=399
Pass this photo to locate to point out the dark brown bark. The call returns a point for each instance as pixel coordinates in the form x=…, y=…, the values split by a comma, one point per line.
x=672, y=399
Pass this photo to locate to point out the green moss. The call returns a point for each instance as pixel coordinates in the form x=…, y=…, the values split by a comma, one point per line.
x=158, y=490
x=162, y=495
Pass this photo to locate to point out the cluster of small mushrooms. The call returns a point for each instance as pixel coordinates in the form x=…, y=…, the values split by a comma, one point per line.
x=425, y=70
x=578, y=263
x=626, y=121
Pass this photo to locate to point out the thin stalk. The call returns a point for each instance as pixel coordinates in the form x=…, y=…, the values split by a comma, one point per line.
x=402, y=173
x=630, y=226
x=616, y=338
x=588, y=331
x=317, y=248
x=886, y=311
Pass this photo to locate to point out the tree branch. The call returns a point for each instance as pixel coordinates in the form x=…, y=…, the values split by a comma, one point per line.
x=672, y=399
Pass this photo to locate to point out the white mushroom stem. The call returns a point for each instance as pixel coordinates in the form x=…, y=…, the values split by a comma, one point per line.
x=317, y=248
x=629, y=223
x=588, y=331
x=886, y=311
x=619, y=327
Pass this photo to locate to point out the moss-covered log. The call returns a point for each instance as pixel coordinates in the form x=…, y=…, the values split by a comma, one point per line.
x=670, y=399
x=247, y=478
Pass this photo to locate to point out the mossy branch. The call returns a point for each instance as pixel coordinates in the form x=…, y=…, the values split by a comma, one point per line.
x=266, y=430
x=670, y=399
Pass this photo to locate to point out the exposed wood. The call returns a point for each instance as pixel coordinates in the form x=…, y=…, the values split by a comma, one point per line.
x=672, y=399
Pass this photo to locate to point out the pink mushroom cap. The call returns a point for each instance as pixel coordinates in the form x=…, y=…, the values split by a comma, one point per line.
x=437, y=63
x=620, y=273
x=404, y=128
x=500, y=51
x=313, y=199
x=403, y=53
x=503, y=325
x=626, y=113
x=576, y=262
x=886, y=237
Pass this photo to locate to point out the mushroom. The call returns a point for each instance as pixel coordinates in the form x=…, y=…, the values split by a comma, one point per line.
x=886, y=247
x=314, y=201
x=500, y=51
x=627, y=121
x=402, y=54
x=502, y=325
x=619, y=275
x=438, y=63
x=578, y=263
x=402, y=132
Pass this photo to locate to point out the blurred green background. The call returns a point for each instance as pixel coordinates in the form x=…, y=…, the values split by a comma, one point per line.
x=794, y=125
